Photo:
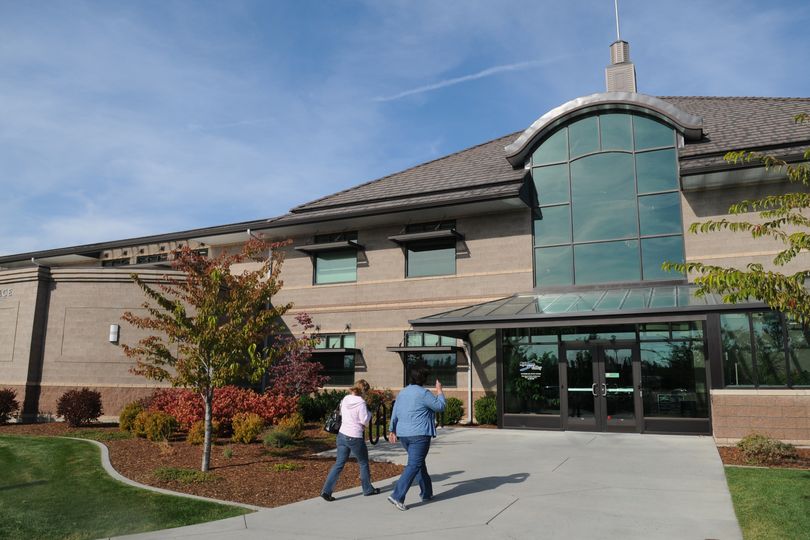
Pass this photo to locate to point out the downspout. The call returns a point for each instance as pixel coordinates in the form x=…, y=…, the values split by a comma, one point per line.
x=467, y=346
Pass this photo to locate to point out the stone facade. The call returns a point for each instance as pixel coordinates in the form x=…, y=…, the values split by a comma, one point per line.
x=779, y=413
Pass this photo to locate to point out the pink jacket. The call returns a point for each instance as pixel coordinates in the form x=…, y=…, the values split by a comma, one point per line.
x=355, y=415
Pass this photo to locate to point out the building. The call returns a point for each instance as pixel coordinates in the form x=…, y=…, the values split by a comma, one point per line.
x=528, y=266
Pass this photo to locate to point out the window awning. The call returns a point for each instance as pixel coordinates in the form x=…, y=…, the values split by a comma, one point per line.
x=347, y=350
x=328, y=246
x=572, y=307
x=437, y=349
x=441, y=234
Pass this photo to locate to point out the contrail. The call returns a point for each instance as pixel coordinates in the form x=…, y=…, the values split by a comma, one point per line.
x=456, y=80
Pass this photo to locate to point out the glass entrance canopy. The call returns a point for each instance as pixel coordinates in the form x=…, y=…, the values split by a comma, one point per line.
x=592, y=303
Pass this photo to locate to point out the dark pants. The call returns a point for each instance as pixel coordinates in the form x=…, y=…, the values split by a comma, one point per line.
x=345, y=446
x=416, y=469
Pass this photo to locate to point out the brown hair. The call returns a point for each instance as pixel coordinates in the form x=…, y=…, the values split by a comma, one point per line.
x=360, y=388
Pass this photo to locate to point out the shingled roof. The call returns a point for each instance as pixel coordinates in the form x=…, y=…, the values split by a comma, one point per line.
x=742, y=123
x=729, y=123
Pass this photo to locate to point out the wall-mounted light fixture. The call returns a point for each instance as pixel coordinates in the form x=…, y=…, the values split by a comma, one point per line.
x=114, y=333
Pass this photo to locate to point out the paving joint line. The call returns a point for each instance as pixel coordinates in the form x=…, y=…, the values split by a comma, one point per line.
x=505, y=508
x=561, y=464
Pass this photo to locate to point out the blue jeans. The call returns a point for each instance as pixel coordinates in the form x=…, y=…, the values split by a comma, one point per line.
x=345, y=446
x=416, y=469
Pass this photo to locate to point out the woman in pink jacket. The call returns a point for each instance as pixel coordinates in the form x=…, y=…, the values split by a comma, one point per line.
x=355, y=417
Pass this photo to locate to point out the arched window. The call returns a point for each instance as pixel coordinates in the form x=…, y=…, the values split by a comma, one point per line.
x=609, y=208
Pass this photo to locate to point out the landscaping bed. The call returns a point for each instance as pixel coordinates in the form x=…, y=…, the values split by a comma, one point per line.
x=247, y=473
x=731, y=455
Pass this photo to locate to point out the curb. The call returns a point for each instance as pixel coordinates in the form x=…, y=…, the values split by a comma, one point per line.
x=105, y=462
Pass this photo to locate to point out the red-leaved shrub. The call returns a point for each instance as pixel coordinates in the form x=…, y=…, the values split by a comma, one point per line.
x=187, y=406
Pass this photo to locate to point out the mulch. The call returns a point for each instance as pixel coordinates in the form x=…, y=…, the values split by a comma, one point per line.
x=247, y=476
x=731, y=455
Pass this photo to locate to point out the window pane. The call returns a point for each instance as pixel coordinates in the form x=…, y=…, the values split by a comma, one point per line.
x=653, y=331
x=656, y=171
x=738, y=370
x=660, y=214
x=769, y=340
x=333, y=342
x=431, y=340
x=617, y=261
x=617, y=132
x=440, y=366
x=551, y=183
x=445, y=341
x=673, y=377
x=690, y=329
x=553, y=150
x=655, y=251
x=338, y=367
x=336, y=267
x=531, y=379
x=604, y=197
x=553, y=226
x=431, y=260
x=652, y=134
x=348, y=341
x=799, y=340
x=553, y=266
x=413, y=339
x=584, y=136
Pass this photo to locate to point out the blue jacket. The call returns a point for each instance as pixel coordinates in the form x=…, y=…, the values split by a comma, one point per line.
x=414, y=410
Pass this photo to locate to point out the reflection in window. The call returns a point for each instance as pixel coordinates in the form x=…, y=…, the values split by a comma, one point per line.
x=531, y=379
x=738, y=366
x=339, y=367
x=441, y=366
x=799, y=354
x=673, y=376
x=615, y=176
x=770, y=349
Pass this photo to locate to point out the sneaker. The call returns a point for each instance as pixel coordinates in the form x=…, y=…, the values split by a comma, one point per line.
x=327, y=498
x=399, y=505
x=375, y=491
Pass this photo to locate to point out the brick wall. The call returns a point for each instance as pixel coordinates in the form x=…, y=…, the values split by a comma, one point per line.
x=781, y=414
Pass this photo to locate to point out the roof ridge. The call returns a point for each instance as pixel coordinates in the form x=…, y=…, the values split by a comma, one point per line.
x=298, y=208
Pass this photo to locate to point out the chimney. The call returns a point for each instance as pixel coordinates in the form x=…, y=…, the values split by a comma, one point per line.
x=620, y=75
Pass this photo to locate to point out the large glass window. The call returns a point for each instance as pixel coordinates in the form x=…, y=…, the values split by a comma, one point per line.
x=339, y=367
x=673, y=370
x=441, y=366
x=757, y=352
x=607, y=187
x=339, y=266
x=432, y=257
x=531, y=379
x=424, y=339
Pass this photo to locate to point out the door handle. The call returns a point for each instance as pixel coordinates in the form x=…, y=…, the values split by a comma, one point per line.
x=604, y=389
x=593, y=389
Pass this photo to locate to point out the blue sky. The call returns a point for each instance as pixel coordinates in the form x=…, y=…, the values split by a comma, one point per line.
x=122, y=119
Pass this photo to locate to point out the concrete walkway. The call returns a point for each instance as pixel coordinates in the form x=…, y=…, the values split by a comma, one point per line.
x=521, y=484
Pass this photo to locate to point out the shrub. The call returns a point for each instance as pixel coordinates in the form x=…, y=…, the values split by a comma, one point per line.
x=128, y=414
x=154, y=425
x=187, y=406
x=293, y=424
x=196, y=433
x=315, y=407
x=79, y=407
x=246, y=427
x=278, y=438
x=227, y=452
x=486, y=411
x=453, y=411
x=375, y=398
x=8, y=404
x=761, y=449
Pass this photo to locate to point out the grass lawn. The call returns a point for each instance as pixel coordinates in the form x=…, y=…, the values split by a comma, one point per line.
x=771, y=503
x=56, y=488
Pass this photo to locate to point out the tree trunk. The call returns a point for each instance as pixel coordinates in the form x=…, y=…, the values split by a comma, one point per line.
x=208, y=397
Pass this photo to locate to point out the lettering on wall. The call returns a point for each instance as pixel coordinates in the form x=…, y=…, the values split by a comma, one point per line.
x=6, y=293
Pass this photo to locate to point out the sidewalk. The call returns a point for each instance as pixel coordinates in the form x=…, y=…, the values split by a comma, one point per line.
x=521, y=484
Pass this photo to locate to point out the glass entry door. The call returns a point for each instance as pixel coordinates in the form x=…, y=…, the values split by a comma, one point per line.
x=602, y=383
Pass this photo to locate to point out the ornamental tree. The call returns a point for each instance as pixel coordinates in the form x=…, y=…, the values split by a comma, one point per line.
x=785, y=219
x=213, y=325
x=295, y=374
